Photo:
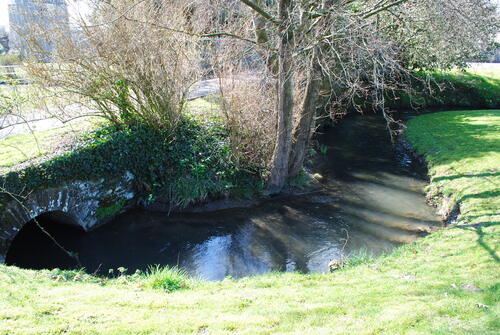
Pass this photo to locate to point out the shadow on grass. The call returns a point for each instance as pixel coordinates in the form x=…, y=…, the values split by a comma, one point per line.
x=478, y=229
x=469, y=218
x=461, y=138
x=450, y=90
x=465, y=90
x=482, y=195
x=479, y=175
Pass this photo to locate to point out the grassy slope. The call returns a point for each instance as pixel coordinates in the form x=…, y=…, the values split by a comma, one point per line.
x=20, y=148
x=463, y=149
x=446, y=283
x=477, y=87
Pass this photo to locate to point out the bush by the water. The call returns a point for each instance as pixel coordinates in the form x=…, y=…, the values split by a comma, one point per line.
x=189, y=164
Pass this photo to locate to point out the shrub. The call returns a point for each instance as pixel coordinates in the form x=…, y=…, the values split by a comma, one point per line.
x=130, y=71
x=6, y=60
x=249, y=114
x=166, y=278
x=187, y=166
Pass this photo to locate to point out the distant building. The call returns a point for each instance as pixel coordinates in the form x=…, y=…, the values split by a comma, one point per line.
x=39, y=17
x=4, y=40
x=496, y=56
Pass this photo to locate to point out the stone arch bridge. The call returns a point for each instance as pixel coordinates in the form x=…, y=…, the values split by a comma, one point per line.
x=85, y=204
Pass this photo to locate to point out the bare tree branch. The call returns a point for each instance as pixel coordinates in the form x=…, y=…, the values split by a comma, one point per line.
x=260, y=11
x=116, y=18
x=381, y=9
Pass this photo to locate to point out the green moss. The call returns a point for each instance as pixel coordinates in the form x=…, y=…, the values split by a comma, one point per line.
x=190, y=163
x=108, y=209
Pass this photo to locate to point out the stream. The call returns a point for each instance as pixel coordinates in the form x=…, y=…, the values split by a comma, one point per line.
x=372, y=200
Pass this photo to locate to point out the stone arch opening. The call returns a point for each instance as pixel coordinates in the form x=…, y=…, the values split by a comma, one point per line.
x=33, y=248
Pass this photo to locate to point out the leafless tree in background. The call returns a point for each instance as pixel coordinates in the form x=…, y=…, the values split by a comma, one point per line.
x=278, y=60
x=356, y=50
x=127, y=70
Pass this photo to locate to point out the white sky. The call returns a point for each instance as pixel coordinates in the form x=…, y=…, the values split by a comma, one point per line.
x=4, y=15
x=75, y=7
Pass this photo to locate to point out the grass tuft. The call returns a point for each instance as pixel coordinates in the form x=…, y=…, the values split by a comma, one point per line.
x=360, y=257
x=168, y=279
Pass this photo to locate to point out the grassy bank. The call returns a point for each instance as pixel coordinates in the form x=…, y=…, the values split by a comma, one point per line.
x=463, y=152
x=476, y=87
x=184, y=165
x=446, y=283
x=22, y=148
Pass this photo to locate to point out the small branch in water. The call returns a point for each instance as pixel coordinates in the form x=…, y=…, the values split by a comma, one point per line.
x=18, y=198
x=346, y=240
x=392, y=125
x=71, y=254
x=338, y=264
x=97, y=270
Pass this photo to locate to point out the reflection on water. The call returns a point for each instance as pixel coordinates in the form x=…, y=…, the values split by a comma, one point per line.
x=372, y=200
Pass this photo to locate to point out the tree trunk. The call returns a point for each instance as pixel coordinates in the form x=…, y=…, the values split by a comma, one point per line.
x=262, y=38
x=283, y=146
x=304, y=128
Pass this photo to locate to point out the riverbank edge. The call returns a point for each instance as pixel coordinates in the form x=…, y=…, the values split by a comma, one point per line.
x=113, y=170
x=447, y=205
x=112, y=197
x=447, y=208
x=457, y=89
x=448, y=282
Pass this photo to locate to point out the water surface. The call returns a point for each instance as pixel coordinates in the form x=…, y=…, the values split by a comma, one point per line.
x=371, y=201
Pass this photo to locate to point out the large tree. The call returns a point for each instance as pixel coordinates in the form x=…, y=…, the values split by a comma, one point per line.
x=358, y=48
x=309, y=53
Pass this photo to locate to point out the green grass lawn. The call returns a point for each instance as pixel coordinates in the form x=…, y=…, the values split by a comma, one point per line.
x=20, y=148
x=22, y=99
x=476, y=87
x=446, y=283
x=490, y=70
